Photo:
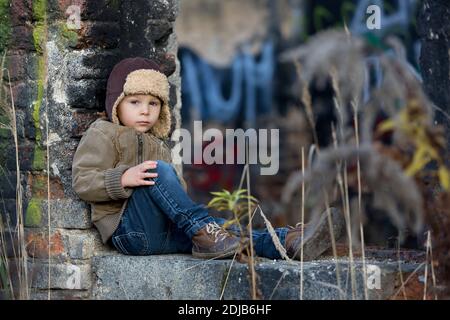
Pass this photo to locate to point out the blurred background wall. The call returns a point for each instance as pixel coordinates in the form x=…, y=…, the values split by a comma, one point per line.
x=233, y=77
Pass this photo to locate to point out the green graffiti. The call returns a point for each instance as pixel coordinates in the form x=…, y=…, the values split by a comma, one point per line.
x=33, y=214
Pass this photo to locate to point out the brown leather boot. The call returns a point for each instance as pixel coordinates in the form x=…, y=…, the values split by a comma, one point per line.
x=316, y=239
x=213, y=241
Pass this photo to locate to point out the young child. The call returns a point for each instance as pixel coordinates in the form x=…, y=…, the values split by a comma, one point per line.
x=122, y=167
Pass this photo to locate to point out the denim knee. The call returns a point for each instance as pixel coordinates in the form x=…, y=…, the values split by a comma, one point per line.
x=165, y=171
x=163, y=166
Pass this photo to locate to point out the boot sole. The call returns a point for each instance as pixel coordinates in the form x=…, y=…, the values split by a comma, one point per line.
x=219, y=255
x=317, y=240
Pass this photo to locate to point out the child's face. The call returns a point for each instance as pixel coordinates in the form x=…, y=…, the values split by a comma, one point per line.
x=139, y=111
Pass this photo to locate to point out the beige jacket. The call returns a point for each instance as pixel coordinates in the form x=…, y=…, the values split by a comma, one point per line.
x=105, y=151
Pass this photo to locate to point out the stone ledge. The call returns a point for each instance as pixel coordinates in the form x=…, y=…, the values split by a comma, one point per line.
x=185, y=277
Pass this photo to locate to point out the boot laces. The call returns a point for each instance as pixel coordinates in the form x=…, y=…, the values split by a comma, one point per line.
x=214, y=229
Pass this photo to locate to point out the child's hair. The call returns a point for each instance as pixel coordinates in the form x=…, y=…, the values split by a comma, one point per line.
x=139, y=76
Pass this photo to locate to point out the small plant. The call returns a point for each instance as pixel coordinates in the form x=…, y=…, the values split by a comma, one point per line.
x=235, y=202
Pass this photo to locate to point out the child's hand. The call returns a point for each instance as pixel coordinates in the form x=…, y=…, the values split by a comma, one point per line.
x=137, y=175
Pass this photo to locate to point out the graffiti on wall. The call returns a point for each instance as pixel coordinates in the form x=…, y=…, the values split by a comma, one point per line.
x=231, y=97
x=237, y=93
x=398, y=17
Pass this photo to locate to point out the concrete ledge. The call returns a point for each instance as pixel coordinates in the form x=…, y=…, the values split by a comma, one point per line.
x=185, y=277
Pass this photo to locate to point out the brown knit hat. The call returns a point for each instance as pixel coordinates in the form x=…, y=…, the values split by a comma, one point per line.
x=139, y=76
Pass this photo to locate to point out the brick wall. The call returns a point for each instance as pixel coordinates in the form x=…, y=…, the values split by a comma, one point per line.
x=60, y=73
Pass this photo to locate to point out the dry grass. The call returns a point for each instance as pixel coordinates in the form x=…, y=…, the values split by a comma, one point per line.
x=7, y=108
x=393, y=175
x=302, y=221
x=234, y=202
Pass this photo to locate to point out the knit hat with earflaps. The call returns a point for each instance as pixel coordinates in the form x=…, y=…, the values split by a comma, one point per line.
x=139, y=76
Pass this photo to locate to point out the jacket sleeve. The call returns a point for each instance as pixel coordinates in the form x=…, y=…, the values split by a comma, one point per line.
x=94, y=177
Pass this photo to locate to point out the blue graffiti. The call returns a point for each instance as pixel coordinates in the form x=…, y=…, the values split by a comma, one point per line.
x=248, y=81
x=218, y=106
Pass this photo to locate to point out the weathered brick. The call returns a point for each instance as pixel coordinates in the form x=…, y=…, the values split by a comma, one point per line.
x=7, y=185
x=24, y=93
x=16, y=65
x=91, y=64
x=21, y=12
x=39, y=188
x=173, y=99
x=61, y=155
x=16, y=273
x=25, y=151
x=5, y=294
x=159, y=31
x=64, y=213
x=154, y=36
x=22, y=38
x=101, y=10
x=38, y=244
x=99, y=34
x=59, y=294
x=60, y=124
x=89, y=94
x=62, y=276
x=66, y=178
x=82, y=121
x=6, y=136
x=65, y=245
x=11, y=243
x=83, y=245
x=156, y=9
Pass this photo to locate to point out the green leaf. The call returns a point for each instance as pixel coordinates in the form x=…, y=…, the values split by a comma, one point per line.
x=215, y=200
x=220, y=194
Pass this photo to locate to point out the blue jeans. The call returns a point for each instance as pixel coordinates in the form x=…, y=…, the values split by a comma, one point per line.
x=162, y=219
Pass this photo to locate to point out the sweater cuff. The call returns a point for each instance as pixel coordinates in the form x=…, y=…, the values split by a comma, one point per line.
x=113, y=183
